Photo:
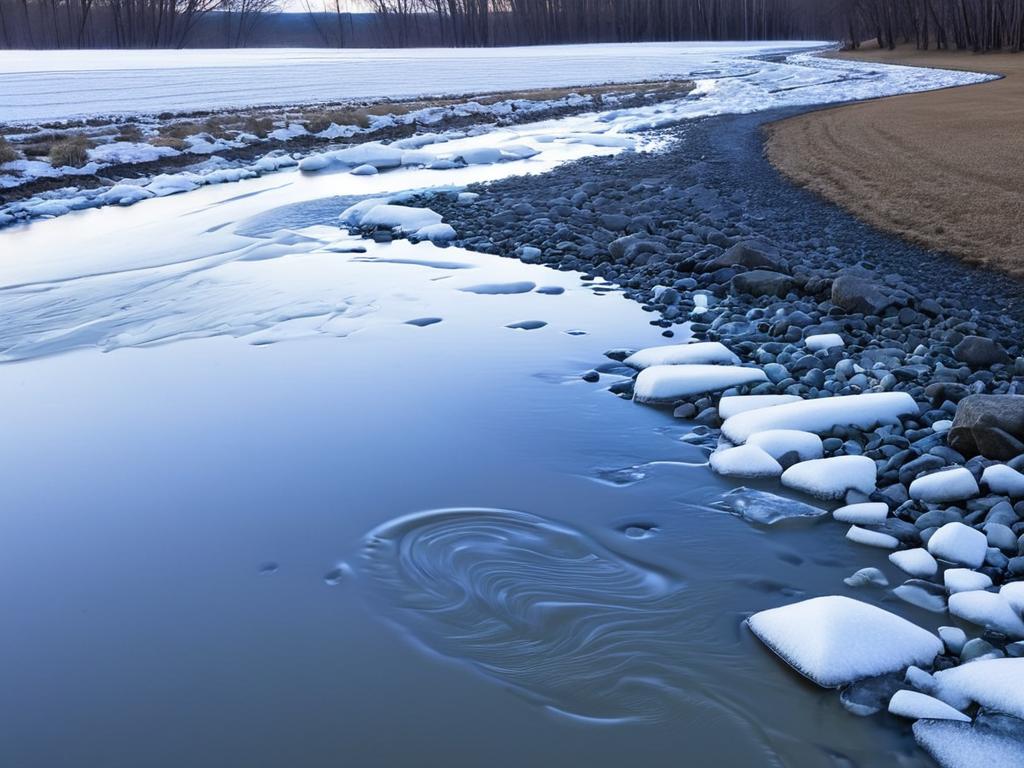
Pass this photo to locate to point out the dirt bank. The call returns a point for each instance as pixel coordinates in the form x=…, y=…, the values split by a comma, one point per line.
x=941, y=169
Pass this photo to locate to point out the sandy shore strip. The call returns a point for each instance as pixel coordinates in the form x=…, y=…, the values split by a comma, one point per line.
x=941, y=169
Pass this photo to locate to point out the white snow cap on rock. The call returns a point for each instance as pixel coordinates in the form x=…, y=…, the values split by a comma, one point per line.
x=1014, y=593
x=954, y=484
x=744, y=461
x=731, y=405
x=779, y=442
x=400, y=217
x=835, y=640
x=823, y=414
x=701, y=352
x=960, y=544
x=872, y=538
x=965, y=580
x=917, y=562
x=666, y=383
x=824, y=341
x=987, y=609
x=963, y=745
x=864, y=513
x=919, y=705
x=993, y=683
x=831, y=478
x=1003, y=479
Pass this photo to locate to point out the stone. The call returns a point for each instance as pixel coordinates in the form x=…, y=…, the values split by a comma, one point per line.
x=746, y=255
x=856, y=294
x=762, y=282
x=989, y=425
x=979, y=352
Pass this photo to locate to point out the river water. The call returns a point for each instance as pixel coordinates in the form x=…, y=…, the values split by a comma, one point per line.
x=278, y=497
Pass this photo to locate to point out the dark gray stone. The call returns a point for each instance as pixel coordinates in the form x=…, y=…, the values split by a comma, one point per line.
x=856, y=294
x=989, y=425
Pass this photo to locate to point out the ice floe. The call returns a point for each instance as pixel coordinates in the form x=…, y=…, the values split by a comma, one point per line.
x=960, y=544
x=702, y=352
x=915, y=706
x=830, y=478
x=668, y=383
x=835, y=640
x=823, y=414
x=954, y=484
x=765, y=508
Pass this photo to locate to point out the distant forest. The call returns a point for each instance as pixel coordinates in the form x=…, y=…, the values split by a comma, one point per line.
x=978, y=25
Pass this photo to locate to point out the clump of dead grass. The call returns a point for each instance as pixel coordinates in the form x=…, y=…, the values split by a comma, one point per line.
x=72, y=150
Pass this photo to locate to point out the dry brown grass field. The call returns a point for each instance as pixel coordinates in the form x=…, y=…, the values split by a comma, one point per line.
x=943, y=169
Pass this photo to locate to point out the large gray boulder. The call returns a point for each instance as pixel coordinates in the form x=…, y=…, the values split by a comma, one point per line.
x=763, y=282
x=857, y=294
x=746, y=255
x=990, y=425
x=979, y=352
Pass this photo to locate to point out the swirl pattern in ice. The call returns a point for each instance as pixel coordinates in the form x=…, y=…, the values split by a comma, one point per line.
x=539, y=607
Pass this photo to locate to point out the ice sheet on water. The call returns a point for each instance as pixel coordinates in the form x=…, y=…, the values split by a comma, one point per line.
x=765, y=508
x=835, y=640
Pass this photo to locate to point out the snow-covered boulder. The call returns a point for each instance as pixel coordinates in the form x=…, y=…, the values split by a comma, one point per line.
x=823, y=414
x=964, y=580
x=1014, y=594
x=919, y=705
x=835, y=640
x=364, y=170
x=996, y=684
x=702, y=352
x=987, y=609
x=314, y=163
x=964, y=745
x=170, y=184
x=400, y=217
x=1003, y=479
x=864, y=513
x=372, y=153
x=803, y=446
x=960, y=544
x=667, y=383
x=871, y=538
x=916, y=562
x=948, y=485
x=733, y=404
x=744, y=461
x=831, y=478
x=824, y=341
x=436, y=233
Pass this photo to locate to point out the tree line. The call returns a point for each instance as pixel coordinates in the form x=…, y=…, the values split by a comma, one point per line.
x=975, y=25
x=979, y=25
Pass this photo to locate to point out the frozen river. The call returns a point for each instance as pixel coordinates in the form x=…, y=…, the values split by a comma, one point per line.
x=238, y=436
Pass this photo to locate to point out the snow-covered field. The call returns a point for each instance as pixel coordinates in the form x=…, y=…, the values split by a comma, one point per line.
x=52, y=85
x=729, y=79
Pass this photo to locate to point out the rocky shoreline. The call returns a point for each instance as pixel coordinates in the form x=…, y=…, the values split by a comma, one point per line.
x=790, y=299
